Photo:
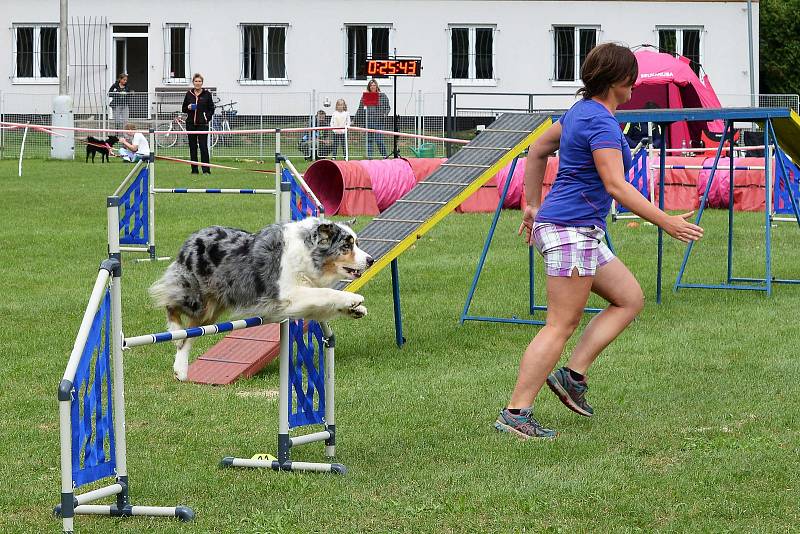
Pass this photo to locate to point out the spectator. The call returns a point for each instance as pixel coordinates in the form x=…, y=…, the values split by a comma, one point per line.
x=118, y=93
x=135, y=149
x=198, y=104
x=375, y=109
x=340, y=119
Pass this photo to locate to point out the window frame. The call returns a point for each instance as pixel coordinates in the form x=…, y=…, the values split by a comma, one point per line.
x=389, y=80
x=285, y=80
x=471, y=80
x=36, y=79
x=168, y=79
x=576, y=82
x=679, y=29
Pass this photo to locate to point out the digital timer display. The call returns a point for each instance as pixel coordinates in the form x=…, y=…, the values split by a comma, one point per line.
x=394, y=67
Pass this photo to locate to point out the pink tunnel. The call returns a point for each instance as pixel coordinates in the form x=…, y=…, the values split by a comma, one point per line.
x=368, y=187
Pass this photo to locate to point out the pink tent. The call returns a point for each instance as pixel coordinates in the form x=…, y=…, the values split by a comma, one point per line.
x=669, y=82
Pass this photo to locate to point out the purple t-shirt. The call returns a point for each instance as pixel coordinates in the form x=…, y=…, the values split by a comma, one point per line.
x=578, y=196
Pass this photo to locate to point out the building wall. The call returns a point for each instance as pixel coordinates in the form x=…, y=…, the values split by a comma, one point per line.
x=315, y=40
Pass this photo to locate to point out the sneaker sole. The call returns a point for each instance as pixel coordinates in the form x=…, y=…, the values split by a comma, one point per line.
x=564, y=397
x=502, y=427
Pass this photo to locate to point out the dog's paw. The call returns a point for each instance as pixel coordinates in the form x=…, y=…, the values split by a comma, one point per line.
x=181, y=372
x=358, y=312
x=355, y=300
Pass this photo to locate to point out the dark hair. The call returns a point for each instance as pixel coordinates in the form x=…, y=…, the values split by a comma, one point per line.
x=378, y=87
x=606, y=65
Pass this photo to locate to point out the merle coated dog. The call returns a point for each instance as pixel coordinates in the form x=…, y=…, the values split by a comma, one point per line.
x=100, y=146
x=284, y=270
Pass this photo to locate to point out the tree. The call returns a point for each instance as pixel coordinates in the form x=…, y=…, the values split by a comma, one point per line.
x=779, y=42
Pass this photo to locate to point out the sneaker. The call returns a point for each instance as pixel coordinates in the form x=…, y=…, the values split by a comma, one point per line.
x=523, y=425
x=571, y=392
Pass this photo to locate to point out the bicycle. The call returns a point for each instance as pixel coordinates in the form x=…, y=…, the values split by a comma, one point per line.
x=221, y=122
x=168, y=139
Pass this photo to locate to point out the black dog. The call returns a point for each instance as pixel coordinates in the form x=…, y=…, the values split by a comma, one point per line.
x=99, y=146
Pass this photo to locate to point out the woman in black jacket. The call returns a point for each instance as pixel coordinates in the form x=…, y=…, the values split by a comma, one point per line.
x=198, y=104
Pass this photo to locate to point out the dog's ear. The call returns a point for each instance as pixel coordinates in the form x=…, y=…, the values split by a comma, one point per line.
x=349, y=222
x=325, y=232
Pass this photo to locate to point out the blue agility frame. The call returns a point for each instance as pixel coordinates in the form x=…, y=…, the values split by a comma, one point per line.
x=665, y=117
x=532, y=306
x=742, y=283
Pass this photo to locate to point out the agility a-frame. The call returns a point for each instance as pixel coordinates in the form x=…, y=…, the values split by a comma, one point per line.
x=782, y=181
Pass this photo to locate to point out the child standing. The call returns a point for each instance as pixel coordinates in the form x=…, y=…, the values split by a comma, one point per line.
x=340, y=119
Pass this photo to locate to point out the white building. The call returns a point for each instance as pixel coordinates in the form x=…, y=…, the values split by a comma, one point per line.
x=296, y=51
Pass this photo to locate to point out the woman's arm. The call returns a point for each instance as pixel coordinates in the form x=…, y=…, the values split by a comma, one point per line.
x=610, y=167
x=535, y=167
x=186, y=102
x=210, y=105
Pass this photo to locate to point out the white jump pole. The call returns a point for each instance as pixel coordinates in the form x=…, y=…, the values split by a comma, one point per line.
x=22, y=149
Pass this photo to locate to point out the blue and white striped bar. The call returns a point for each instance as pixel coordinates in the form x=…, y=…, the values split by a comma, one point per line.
x=218, y=191
x=707, y=168
x=198, y=331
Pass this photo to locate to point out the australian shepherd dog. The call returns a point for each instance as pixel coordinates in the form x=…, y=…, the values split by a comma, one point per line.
x=284, y=270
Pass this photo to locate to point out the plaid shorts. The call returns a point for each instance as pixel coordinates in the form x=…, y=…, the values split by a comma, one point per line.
x=567, y=247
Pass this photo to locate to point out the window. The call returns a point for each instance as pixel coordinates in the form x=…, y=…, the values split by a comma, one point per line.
x=472, y=52
x=177, y=67
x=571, y=45
x=362, y=42
x=263, y=54
x=682, y=41
x=35, y=53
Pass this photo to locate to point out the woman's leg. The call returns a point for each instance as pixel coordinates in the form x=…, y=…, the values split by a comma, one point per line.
x=192, y=146
x=566, y=298
x=381, y=146
x=615, y=283
x=203, y=141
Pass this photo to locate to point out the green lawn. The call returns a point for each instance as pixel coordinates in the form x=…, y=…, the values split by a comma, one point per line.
x=696, y=425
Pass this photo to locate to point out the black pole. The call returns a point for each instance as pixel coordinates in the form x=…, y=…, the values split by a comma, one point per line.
x=394, y=150
x=449, y=121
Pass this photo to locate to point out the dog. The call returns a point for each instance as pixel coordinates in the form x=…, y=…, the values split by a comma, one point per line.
x=283, y=271
x=100, y=146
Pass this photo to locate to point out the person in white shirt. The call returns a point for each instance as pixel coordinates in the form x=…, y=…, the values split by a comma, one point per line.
x=339, y=119
x=135, y=149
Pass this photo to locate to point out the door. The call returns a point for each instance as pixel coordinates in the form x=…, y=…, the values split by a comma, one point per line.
x=130, y=57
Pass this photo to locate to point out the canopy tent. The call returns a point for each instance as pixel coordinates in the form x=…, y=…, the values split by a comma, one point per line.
x=667, y=82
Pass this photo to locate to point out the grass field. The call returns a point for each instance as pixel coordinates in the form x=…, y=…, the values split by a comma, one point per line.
x=696, y=425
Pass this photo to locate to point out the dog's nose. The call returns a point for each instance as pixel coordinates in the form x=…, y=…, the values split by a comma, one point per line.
x=370, y=261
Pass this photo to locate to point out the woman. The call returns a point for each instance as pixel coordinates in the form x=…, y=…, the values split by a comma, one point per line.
x=119, y=101
x=376, y=109
x=198, y=104
x=568, y=230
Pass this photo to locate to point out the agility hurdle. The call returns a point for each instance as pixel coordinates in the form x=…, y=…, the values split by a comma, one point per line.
x=312, y=350
x=139, y=200
x=92, y=412
x=91, y=404
x=640, y=177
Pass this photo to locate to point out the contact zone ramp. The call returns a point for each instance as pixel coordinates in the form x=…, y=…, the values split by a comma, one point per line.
x=787, y=130
x=419, y=210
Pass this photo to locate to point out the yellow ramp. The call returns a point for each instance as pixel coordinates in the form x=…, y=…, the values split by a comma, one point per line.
x=787, y=131
x=412, y=216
